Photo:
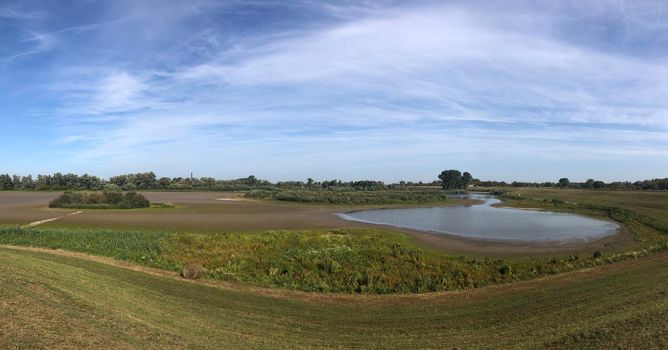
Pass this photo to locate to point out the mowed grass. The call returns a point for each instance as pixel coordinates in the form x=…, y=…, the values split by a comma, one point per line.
x=48, y=300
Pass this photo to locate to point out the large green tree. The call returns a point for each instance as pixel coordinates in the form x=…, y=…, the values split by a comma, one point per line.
x=453, y=179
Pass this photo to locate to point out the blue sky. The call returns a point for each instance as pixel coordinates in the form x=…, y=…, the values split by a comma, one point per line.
x=389, y=90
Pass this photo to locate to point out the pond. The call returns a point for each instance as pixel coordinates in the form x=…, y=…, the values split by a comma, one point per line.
x=485, y=221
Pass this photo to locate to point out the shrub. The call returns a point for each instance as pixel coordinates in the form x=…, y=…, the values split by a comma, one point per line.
x=356, y=197
x=133, y=199
x=100, y=200
x=162, y=205
x=506, y=269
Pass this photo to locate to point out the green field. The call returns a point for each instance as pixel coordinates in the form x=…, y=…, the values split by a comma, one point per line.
x=49, y=300
x=650, y=203
x=343, y=260
x=263, y=289
x=644, y=212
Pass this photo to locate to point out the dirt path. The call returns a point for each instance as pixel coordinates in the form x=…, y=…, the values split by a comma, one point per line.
x=40, y=222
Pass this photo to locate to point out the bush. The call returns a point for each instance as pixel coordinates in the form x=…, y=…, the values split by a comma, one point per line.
x=357, y=197
x=162, y=205
x=100, y=200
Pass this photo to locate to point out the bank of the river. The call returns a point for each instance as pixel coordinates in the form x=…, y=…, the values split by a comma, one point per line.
x=485, y=221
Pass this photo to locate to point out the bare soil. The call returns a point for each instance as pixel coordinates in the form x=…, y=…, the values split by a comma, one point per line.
x=229, y=211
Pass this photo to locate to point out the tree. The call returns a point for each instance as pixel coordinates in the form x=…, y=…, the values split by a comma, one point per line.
x=164, y=182
x=589, y=183
x=564, y=182
x=450, y=179
x=453, y=179
x=6, y=182
x=466, y=179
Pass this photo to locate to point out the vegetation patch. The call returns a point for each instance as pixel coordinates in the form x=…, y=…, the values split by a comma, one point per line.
x=47, y=298
x=344, y=260
x=100, y=200
x=355, y=197
x=163, y=205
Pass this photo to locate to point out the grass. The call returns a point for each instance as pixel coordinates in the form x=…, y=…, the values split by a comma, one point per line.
x=344, y=260
x=348, y=197
x=49, y=300
x=644, y=212
x=357, y=260
x=650, y=203
x=163, y=205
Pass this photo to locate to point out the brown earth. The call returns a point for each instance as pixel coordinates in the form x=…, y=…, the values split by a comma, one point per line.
x=199, y=211
x=229, y=211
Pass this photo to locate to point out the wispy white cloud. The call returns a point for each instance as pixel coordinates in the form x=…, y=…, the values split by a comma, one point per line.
x=14, y=13
x=118, y=92
x=428, y=84
x=445, y=55
x=35, y=43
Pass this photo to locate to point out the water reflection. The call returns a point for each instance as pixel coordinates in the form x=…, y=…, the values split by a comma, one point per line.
x=488, y=222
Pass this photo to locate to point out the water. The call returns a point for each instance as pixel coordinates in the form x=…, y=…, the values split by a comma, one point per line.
x=487, y=222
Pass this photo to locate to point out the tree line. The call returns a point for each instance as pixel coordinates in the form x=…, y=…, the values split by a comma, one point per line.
x=136, y=181
x=653, y=184
x=149, y=181
x=447, y=179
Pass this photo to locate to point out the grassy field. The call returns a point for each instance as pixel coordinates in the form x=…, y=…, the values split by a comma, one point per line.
x=342, y=260
x=48, y=300
x=649, y=203
x=352, y=260
x=565, y=300
x=644, y=212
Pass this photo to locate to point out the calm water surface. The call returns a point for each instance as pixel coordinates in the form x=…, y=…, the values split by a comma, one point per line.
x=487, y=222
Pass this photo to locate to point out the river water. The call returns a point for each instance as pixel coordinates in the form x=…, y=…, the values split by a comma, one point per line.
x=484, y=221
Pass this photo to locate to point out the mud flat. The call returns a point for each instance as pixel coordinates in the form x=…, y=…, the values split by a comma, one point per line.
x=229, y=211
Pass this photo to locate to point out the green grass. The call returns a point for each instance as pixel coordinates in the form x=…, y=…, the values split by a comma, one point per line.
x=163, y=205
x=348, y=197
x=644, y=212
x=344, y=260
x=650, y=203
x=49, y=301
x=356, y=260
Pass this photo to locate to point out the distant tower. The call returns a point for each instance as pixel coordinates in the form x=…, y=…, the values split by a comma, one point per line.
x=191, y=176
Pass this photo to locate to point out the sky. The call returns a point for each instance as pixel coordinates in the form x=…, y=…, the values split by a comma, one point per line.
x=286, y=90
